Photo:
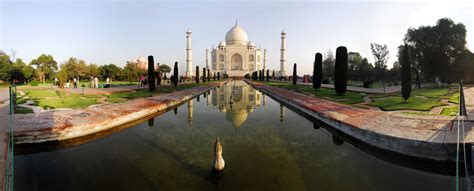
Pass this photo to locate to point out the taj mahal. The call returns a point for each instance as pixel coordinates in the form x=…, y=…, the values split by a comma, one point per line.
x=236, y=55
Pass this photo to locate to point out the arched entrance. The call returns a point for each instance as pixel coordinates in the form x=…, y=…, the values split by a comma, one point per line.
x=236, y=62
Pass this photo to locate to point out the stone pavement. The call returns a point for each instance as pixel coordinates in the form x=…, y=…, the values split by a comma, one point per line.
x=67, y=124
x=469, y=98
x=415, y=135
x=4, y=122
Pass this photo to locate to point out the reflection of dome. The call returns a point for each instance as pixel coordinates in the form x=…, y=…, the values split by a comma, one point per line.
x=236, y=35
x=237, y=118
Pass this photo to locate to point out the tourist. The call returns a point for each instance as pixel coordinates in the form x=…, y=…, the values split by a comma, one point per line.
x=107, y=82
x=67, y=83
x=75, y=82
x=92, y=82
x=96, y=82
x=142, y=80
x=56, y=81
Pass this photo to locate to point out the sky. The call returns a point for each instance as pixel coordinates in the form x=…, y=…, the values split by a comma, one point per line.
x=116, y=31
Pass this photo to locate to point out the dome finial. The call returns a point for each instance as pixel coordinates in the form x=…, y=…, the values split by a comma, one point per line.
x=236, y=22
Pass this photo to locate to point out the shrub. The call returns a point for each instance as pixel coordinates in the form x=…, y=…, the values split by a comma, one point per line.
x=395, y=84
x=325, y=81
x=151, y=74
x=340, y=70
x=317, y=70
x=34, y=83
x=406, y=74
x=295, y=76
x=197, y=74
x=367, y=84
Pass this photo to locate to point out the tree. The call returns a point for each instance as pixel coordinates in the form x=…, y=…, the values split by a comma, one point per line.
x=218, y=76
x=268, y=75
x=364, y=70
x=394, y=73
x=204, y=75
x=151, y=73
x=111, y=71
x=208, y=75
x=164, y=69
x=436, y=48
x=318, y=71
x=354, y=59
x=5, y=66
x=328, y=65
x=131, y=71
x=175, y=74
x=340, y=70
x=381, y=56
x=16, y=72
x=406, y=75
x=75, y=68
x=62, y=77
x=295, y=75
x=92, y=70
x=197, y=74
x=29, y=73
x=45, y=66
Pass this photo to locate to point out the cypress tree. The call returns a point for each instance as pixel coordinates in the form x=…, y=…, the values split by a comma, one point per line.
x=318, y=71
x=197, y=74
x=208, y=75
x=218, y=76
x=295, y=76
x=340, y=70
x=268, y=75
x=263, y=75
x=151, y=74
x=203, y=74
x=273, y=75
x=406, y=74
x=175, y=74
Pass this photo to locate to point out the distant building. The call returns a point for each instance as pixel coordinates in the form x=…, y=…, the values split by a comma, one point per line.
x=142, y=62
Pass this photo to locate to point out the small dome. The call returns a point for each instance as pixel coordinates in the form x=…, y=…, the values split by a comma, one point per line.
x=222, y=43
x=251, y=44
x=236, y=35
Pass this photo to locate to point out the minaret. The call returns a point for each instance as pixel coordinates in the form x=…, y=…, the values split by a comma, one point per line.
x=207, y=59
x=283, y=54
x=190, y=111
x=265, y=59
x=189, y=55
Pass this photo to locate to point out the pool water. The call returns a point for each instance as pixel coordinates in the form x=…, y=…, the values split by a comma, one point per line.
x=266, y=146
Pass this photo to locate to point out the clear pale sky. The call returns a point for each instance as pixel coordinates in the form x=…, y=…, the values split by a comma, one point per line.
x=114, y=31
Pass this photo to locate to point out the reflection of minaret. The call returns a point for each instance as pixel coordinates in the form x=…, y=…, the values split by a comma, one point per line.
x=282, y=113
x=264, y=99
x=209, y=99
x=283, y=54
x=189, y=55
x=190, y=111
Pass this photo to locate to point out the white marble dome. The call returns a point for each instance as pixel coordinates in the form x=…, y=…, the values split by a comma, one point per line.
x=251, y=44
x=236, y=35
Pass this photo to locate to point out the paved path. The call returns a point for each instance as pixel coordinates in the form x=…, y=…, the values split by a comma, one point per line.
x=4, y=123
x=388, y=90
x=419, y=136
x=67, y=124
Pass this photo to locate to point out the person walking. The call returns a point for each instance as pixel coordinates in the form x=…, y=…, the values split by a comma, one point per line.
x=96, y=80
x=107, y=82
x=92, y=82
x=75, y=82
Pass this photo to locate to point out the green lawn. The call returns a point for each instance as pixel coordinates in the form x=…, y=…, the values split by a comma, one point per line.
x=22, y=110
x=73, y=102
x=326, y=93
x=450, y=111
x=454, y=98
x=41, y=93
x=431, y=93
x=414, y=103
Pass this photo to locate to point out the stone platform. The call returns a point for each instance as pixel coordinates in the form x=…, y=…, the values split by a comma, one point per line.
x=426, y=137
x=68, y=124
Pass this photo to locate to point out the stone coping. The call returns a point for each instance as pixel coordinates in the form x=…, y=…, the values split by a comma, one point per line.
x=429, y=137
x=68, y=124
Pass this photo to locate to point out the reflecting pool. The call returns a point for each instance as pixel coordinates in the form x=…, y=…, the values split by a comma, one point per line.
x=266, y=146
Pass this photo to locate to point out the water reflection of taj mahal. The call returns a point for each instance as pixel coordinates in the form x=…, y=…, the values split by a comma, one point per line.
x=236, y=100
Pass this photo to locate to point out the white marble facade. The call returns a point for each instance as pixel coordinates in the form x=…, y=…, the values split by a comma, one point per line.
x=236, y=55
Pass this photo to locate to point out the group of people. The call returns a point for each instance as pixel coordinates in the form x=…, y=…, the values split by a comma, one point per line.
x=94, y=82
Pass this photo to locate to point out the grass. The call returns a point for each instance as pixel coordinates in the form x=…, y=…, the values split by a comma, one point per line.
x=41, y=93
x=414, y=103
x=450, y=111
x=431, y=93
x=454, y=98
x=72, y=102
x=326, y=93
